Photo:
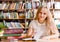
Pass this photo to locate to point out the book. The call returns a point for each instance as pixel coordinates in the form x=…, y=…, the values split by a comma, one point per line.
x=20, y=5
x=28, y=5
x=13, y=24
x=17, y=24
x=1, y=15
x=12, y=6
x=3, y=5
x=6, y=35
x=21, y=15
x=8, y=24
x=12, y=15
x=0, y=6
x=7, y=15
x=7, y=6
x=13, y=31
x=30, y=14
x=16, y=15
x=17, y=5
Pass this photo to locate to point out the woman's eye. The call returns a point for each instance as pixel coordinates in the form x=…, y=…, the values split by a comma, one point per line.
x=44, y=13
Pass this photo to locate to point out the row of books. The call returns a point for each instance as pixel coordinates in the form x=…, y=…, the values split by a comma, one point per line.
x=12, y=25
x=32, y=5
x=12, y=6
x=52, y=5
x=9, y=15
x=16, y=15
x=19, y=5
x=12, y=15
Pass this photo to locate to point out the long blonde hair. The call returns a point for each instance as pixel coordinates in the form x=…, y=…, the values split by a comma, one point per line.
x=49, y=21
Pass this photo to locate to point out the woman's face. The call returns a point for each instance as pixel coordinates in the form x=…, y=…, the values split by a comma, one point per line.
x=42, y=14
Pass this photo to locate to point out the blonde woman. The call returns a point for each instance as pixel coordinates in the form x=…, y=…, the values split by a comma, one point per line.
x=43, y=26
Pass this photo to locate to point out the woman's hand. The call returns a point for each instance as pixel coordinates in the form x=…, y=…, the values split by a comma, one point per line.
x=45, y=38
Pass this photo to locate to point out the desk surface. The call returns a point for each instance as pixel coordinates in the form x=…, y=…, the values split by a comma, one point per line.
x=53, y=40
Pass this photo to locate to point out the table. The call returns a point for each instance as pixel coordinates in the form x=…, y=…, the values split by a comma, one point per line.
x=53, y=40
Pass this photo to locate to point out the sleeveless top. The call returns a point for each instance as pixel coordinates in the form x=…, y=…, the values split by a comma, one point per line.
x=39, y=29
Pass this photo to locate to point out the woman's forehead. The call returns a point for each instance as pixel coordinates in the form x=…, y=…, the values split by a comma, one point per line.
x=44, y=10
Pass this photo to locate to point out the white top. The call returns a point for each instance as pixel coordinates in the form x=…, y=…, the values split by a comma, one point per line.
x=39, y=29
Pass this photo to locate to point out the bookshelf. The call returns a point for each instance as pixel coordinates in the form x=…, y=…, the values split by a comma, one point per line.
x=12, y=11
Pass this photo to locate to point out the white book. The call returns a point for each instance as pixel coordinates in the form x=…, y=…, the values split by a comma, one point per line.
x=3, y=5
x=0, y=6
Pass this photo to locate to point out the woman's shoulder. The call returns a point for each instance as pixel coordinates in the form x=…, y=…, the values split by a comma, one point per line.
x=33, y=21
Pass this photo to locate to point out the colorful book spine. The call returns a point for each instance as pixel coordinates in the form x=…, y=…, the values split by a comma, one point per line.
x=13, y=31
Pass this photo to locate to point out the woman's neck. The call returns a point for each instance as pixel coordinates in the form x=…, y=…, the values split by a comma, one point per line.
x=41, y=22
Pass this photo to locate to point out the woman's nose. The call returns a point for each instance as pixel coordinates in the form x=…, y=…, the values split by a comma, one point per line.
x=42, y=15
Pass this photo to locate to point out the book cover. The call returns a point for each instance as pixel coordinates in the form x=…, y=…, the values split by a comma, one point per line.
x=8, y=24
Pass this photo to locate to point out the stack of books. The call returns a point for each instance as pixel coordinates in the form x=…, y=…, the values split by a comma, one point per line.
x=13, y=32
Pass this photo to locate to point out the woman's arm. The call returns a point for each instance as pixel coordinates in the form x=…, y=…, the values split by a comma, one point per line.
x=54, y=35
x=29, y=33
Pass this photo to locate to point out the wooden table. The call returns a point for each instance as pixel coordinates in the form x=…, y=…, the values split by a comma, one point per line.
x=53, y=40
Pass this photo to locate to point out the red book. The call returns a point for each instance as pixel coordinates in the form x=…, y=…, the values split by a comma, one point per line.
x=13, y=31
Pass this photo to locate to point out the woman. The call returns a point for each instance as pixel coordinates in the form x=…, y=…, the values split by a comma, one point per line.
x=42, y=27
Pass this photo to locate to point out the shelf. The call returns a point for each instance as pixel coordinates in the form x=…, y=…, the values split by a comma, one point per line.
x=57, y=0
x=18, y=19
x=29, y=18
x=12, y=19
x=57, y=9
x=57, y=18
x=10, y=0
x=18, y=10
